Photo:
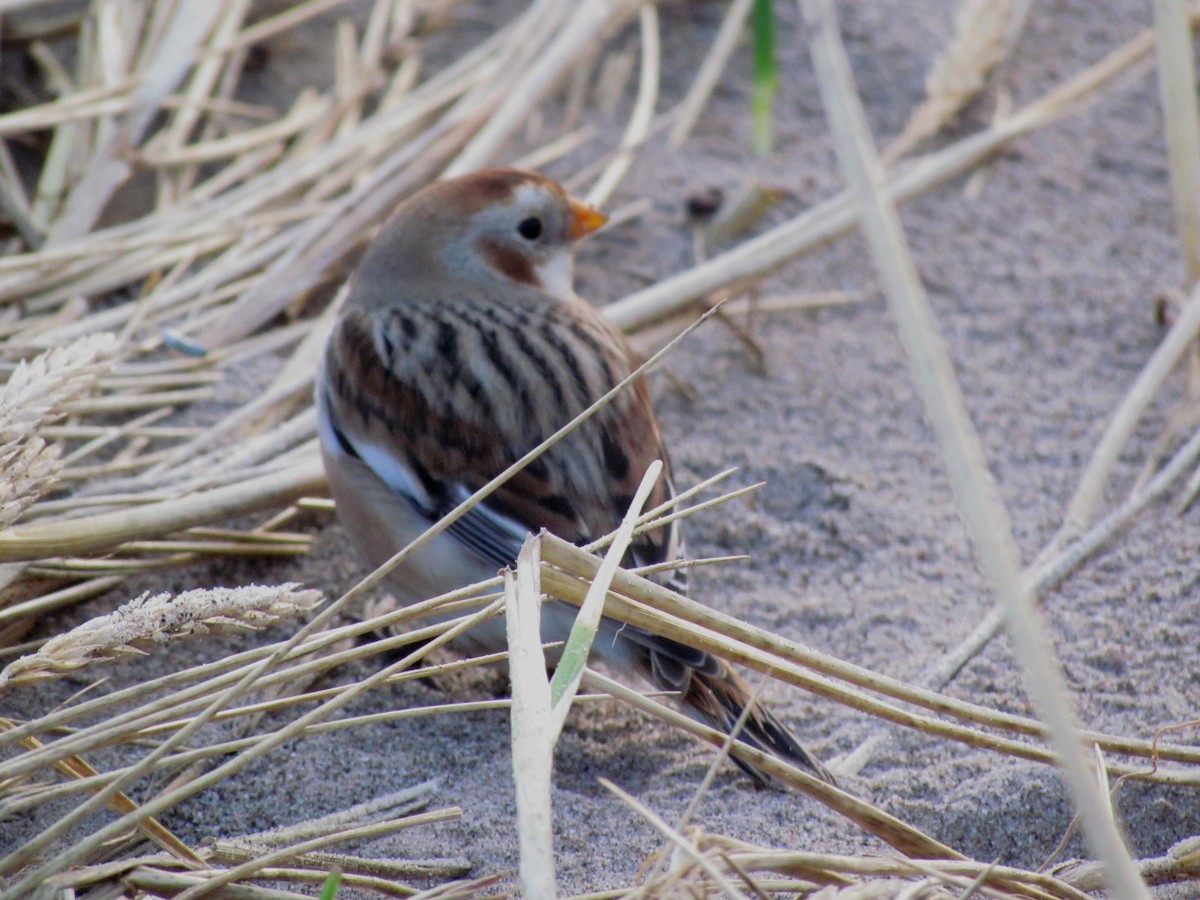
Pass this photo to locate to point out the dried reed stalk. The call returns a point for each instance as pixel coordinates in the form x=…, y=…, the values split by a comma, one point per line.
x=642, y=602
x=979, y=505
x=784, y=870
x=1181, y=121
x=247, y=680
x=286, y=198
x=710, y=70
x=540, y=705
x=764, y=253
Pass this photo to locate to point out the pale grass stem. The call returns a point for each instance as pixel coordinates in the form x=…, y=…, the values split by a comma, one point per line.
x=282, y=199
x=978, y=502
x=762, y=254
x=540, y=705
x=710, y=70
x=646, y=604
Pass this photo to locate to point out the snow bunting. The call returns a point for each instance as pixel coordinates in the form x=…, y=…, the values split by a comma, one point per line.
x=460, y=347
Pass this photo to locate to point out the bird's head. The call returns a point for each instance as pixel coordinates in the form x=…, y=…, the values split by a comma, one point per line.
x=507, y=224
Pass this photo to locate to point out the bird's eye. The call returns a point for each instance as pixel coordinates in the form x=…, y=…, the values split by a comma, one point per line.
x=530, y=229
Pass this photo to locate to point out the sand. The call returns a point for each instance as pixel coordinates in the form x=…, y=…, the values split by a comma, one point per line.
x=1043, y=269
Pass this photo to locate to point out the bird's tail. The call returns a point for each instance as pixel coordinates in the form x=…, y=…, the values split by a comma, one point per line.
x=718, y=696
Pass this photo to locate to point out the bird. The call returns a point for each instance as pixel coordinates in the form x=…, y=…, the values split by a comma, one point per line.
x=459, y=347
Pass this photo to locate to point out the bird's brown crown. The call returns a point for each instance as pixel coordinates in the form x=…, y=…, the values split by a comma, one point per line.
x=459, y=198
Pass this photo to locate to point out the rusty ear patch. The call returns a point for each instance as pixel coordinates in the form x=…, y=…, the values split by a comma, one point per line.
x=510, y=263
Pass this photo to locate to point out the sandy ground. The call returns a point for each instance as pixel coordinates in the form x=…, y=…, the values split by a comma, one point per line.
x=1043, y=284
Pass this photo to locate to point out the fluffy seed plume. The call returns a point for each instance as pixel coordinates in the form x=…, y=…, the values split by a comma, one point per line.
x=30, y=468
x=36, y=394
x=160, y=619
x=40, y=388
x=985, y=32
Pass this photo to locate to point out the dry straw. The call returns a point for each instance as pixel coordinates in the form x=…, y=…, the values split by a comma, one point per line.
x=978, y=502
x=110, y=327
x=38, y=393
x=985, y=33
x=31, y=467
x=159, y=619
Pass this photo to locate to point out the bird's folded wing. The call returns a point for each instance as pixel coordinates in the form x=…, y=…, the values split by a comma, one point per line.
x=386, y=417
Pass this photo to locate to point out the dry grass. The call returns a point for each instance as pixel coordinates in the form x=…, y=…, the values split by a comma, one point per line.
x=113, y=329
x=985, y=33
x=147, y=621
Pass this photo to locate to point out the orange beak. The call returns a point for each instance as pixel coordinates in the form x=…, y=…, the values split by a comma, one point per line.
x=584, y=219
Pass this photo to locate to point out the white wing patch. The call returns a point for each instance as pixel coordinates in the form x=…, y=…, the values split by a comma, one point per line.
x=390, y=470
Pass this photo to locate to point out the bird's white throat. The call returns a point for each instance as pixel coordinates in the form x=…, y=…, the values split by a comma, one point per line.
x=557, y=274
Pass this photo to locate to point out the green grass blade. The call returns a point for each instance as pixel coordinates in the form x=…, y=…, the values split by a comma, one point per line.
x=765, y=75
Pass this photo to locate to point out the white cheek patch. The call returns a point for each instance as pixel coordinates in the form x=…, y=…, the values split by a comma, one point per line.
x=557, y=274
